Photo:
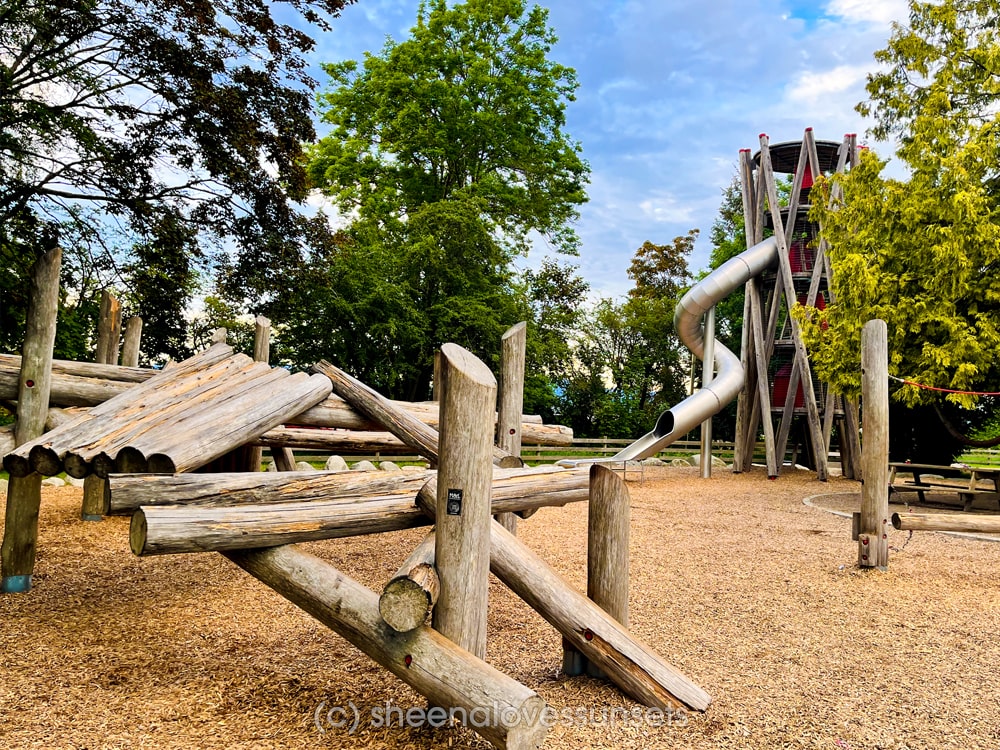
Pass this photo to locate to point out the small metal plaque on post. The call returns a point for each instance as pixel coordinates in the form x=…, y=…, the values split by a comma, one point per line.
x=454, y=507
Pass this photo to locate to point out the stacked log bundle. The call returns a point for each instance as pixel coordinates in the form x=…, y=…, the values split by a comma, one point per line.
x=177, y=420
x=90, y=384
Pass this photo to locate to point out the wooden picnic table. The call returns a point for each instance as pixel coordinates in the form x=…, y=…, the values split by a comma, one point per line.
x=928, y=478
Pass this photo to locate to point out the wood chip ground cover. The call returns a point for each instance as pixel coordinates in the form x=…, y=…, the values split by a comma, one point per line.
x=737, y=582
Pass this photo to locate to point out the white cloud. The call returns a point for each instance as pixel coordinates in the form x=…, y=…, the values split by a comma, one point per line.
x=665, y=208
x=877, y=12
x=813, y=87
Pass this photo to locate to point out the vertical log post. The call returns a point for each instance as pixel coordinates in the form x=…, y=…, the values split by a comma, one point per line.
x=608, y=520
x=468, y=395
x=873, y=539
x=24, y=494
x=707, y=374
x=109, y=327
x=95, y=489
x=511, y=400
x=130, y=347
x=254, y=454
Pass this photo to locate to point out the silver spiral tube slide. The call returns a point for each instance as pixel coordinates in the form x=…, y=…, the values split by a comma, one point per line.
x=679, y=420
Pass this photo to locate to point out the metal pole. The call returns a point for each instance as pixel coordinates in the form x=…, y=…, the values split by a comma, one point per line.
x=707, y=373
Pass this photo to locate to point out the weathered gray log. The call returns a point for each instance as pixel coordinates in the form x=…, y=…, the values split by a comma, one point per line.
x=417, y=434
x=24, y=492
x=284, y=458
x=95, y=498
x=240, y=419
x=444, y=673
x=510, y=398
x=335, y=441
x=968, y=522
x=54, y=444
x=7, y=442
x=11, y=363
x=254, y=454
x=212, y=525
x=873, y=539
x=95, y=489
x=409, y=596
x=130, y=346
x=468, y=396
x=608, y=521
x=129, y=492
x=628, y=662
x=109, y=329
x=106, y=429
x=219, y=336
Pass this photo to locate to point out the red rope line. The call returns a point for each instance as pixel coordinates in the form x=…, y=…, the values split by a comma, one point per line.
x=944, y=390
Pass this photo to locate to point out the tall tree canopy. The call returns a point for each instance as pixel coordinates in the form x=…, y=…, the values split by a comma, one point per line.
x=923, y=253
x=447, y=153
x=166, y=123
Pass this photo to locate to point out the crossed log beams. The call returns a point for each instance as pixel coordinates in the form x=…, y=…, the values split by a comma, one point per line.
x=605, y=643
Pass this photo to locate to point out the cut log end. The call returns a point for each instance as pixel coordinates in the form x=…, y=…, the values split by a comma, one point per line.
x=45, y=461
x=103, y=465
x=76, y=466
x=405, y=604
x=160, y=463
x=16, y=466
x=131, y=461
x=137, y=533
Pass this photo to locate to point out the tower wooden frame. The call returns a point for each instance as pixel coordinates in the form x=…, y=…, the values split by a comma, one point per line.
x=770, y=333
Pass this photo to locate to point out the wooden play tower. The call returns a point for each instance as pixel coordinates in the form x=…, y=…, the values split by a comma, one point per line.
x=782, y=399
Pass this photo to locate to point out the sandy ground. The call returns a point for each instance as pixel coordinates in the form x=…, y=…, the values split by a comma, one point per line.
x=752, y=593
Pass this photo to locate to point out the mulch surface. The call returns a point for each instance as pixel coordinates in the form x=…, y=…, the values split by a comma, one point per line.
x=749, y=591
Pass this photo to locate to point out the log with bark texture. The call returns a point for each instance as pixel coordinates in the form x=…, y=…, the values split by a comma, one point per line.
x=129, y=492
x=82, y=429
x=284, y=459
x=236, y=422
x=417, y=434
x=130, y=346
x=628, y=662
x=170, y=529
x=24, y=492
x=510, y=400
x=969, y=522
x=409, y=596
x=424, y=659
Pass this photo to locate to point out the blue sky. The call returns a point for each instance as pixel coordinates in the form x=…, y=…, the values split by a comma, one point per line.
x=670, y=92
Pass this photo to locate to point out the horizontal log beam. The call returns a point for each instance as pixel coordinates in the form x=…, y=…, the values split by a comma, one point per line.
x=970, y=522
x=170, y=529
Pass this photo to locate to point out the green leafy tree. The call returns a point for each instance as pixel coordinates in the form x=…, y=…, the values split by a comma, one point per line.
x=171, y=124
x=447, y=150
x=922, y=253
x=629, y=364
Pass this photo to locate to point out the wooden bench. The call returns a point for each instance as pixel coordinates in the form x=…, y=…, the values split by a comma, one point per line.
x=964, y=480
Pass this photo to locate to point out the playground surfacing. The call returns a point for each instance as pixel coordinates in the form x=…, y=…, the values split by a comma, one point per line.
x=736, y=581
